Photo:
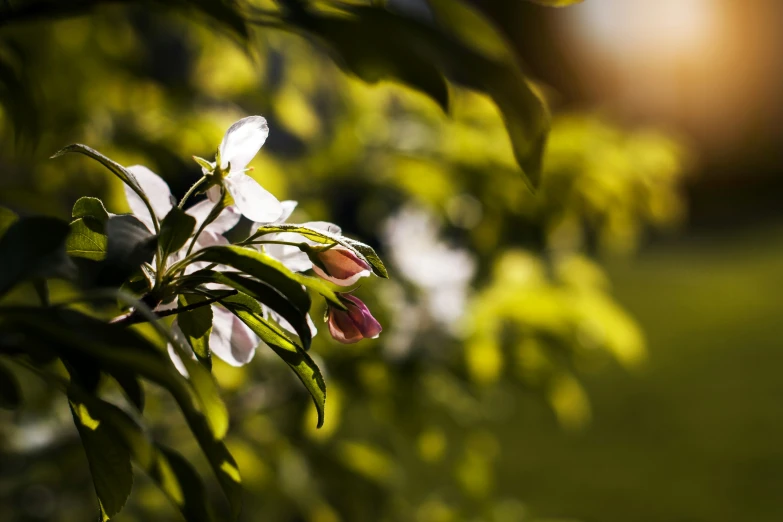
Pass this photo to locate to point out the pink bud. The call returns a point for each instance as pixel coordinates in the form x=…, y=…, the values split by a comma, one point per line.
x=354, y=324
x=342, y=266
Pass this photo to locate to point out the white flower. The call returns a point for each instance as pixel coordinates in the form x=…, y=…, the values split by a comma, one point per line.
x=241, y=143
x=230, y=339
x=441, y=271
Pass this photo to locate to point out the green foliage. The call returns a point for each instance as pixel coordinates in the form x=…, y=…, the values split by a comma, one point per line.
x=175, y=230
x=299, y=361
x=32, y=247
x=196, y=325
x=415, y=408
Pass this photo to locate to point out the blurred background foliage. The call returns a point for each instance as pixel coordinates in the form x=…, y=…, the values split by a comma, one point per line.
x=534, y=364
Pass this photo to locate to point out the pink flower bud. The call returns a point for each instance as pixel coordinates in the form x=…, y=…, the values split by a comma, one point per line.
x=342, y=266
x=354, y=324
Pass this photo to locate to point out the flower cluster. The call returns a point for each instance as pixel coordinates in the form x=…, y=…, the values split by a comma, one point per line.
x=231, y=194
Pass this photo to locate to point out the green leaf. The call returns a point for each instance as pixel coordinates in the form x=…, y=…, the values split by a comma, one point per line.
x=524, y=113
x=208, y=396
x=121, y=349
x=7, y=218
x=260, y=292
x=270, y=271
x=109, y=459
x=132, y=388
x=87, y=239
x=250, y=312
x=33, y=247
x=118, y=170
x=175, y=230
x=129, y=245
x=196, y=325
x=387, y=58
x=170, y=471
x=471, y=28
x=361, y=250
x=90, y=207
x=10, y=391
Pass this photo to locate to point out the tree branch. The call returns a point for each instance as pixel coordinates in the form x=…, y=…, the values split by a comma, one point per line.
x=132, y=318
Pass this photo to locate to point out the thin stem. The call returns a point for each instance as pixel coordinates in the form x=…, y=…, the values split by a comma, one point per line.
x=191, y=191
x=135, y=318
x=214, y=213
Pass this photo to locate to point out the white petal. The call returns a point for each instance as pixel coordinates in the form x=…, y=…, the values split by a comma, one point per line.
x=331, y=228
x=242, y=142
x=293, y=258
x=177, y=332
x=213, y=194
x=230, y=339
x=223, y=223
x=252, y=200
x=288, y=209
x=157, y=192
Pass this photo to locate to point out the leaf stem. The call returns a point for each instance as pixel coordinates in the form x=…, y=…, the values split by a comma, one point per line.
x=191, y=191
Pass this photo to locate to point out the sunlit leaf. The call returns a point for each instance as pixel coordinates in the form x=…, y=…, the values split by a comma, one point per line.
x=363, y=251
x=170, y=471
x=109, y=460
x=121, y=349
x=90, y=207
x=249, y=311
x=87, y=239
x=118, y=170
x=271, y=271
x=524, y=113
x=261, y=292
x=196, y=325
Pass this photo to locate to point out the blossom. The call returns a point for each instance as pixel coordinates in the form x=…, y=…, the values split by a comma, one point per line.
x=230, y=340
x=341, y=266
x=353, y=324
x=240, y=144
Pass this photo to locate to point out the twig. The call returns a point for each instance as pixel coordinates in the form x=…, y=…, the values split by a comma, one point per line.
x=134, y=318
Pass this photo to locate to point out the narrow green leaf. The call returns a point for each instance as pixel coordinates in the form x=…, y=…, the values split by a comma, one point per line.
x=90, y=207
x=196, y=325
x=363, y=251
x=175, y=230
x=249, y=311
x=109, y=459
x=260, y=292
x=524, y=113
x=33, y=247
x=269, y=270
x=10, y=391
x=118, y=170
x=121, y=349
x=132, y=388
x=87, y=239
x=170, y=471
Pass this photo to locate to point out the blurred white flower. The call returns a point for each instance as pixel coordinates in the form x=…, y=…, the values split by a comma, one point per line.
x=442, y=272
